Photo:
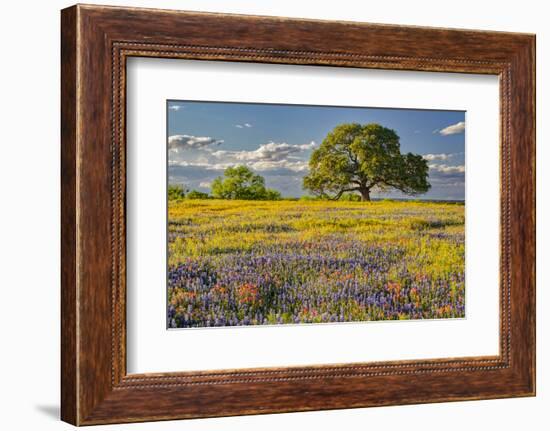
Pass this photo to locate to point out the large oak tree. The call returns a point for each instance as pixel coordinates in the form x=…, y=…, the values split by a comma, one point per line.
x=356, y=158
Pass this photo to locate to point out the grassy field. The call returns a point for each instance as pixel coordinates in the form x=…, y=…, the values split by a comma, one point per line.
x=273, y=262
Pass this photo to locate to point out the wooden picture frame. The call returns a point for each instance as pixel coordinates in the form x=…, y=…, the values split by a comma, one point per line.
x=95, y=43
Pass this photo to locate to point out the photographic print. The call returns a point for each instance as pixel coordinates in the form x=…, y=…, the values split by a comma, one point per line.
x=297, y=214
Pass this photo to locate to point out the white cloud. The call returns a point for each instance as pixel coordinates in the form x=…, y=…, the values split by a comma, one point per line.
x=175, y=107
x=239, y=126
x=198, y=164
x=180, y=142
x=272, y=151
x=442, y=156
x=453, y=129
x=260, y=166
x=205, y=184
x=298, y=166
x=448, y=169
x=242, y=126
x=247, y=125
x=267, y=157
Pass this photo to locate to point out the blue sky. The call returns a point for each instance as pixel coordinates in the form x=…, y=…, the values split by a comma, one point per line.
x=276, y=141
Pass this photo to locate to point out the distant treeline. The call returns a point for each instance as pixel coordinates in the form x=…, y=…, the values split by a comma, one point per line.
x=241, y=183
x=179, y=192
x=238, y=182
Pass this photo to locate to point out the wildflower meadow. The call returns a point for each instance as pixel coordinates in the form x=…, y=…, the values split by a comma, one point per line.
x=254, y=262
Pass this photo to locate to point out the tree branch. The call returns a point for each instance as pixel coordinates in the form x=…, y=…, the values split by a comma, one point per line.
x=341, y=192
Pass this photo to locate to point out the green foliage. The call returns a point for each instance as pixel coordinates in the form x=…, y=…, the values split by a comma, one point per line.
x=195, y=194
x=356, y=158
x=241, y=183
x=272, y=195
x=350, y=197
x=175, y=192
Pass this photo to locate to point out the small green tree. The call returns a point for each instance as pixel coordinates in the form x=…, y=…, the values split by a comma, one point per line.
x=356, y=158
x=195, y=194
x=272, y=195
x=175, y=192
x=241, y=183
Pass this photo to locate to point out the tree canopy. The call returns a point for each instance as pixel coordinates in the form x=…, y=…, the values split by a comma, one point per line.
x=241, y=183
x=196, y=194
x=175, y=192
x=356, y=158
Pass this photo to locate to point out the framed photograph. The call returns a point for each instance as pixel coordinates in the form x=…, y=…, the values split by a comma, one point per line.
x=265, y=215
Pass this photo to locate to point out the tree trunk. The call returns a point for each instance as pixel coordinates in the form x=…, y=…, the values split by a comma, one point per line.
x=365, y=194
